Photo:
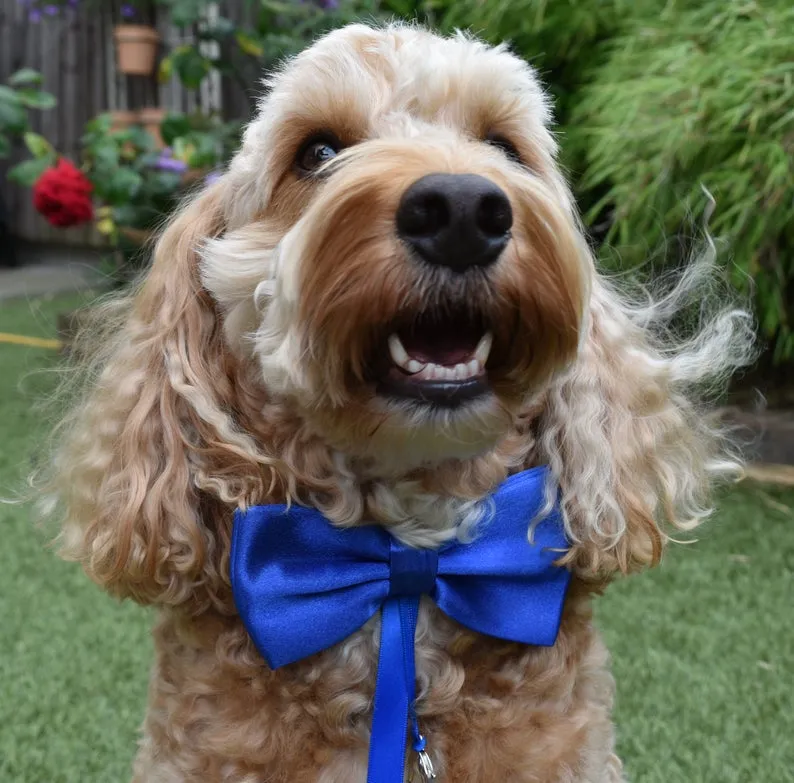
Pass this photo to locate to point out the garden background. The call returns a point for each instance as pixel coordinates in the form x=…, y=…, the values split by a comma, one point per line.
x=656, y=101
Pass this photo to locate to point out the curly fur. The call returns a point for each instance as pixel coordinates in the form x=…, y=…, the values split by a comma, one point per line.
x=235, y=373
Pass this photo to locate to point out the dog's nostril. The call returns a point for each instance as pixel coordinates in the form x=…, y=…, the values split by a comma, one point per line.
x=494, y=215
x=423, y=216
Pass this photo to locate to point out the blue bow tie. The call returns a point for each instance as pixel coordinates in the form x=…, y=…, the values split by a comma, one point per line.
x=302, y=585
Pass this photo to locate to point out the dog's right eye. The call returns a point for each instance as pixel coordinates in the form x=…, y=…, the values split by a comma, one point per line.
x=316, y=151
x=505, y=145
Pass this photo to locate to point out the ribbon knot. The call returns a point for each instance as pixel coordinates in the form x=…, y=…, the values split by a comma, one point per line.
x=302, y=585
x=411, y=571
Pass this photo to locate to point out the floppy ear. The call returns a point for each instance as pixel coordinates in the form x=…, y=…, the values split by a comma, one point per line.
x=634, y=450
x=153, y=457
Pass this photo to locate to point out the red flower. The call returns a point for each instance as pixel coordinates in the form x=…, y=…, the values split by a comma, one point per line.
x=63, y=195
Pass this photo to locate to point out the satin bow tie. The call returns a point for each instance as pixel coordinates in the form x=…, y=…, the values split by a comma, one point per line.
x=302, y=585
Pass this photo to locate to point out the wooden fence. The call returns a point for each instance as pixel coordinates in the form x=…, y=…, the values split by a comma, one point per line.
x=75, y=53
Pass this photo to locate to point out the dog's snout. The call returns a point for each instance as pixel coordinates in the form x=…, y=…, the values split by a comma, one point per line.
x=455, y=220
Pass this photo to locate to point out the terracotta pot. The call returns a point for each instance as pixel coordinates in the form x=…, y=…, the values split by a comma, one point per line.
x=151, y=119
x=136, y=48
x=122, y=120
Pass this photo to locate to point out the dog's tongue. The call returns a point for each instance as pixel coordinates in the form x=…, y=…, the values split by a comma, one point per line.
x=440, y=347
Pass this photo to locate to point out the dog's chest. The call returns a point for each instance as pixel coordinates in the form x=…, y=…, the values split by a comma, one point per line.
x=214, y=701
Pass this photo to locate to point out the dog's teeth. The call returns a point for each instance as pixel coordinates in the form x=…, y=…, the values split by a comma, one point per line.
x=425, y=374
x=440, y=372
x=484, y=348
x=398, y=354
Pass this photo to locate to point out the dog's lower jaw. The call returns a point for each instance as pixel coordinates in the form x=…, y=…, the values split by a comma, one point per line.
x=492, y=711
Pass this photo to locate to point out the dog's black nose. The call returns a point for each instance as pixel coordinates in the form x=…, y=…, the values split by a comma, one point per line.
x=455, y=220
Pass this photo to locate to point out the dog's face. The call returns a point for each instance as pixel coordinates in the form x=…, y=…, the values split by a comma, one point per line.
x=401, y=259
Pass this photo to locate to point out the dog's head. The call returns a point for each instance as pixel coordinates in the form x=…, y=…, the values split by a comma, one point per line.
x=401, y=256
x=388, y=285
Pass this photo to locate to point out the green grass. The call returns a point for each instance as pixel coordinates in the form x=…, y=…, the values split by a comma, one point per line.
x=73, y=662
x=703, y=647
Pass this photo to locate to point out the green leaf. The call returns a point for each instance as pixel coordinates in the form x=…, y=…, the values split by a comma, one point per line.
x=249, y=45
x=183, y=148
x=191, y=66
x=99, y=126
x=13, y=117
x=28, y=172
x=105, y=153
x=166, y=70
x=174, y=126
x=36, y=99
x=125, y=215
x=123, y=186
x=5, y=146
x=39, y=146
x=186, y=12
x=25, y=76
x=165, y=183
x=200, y=150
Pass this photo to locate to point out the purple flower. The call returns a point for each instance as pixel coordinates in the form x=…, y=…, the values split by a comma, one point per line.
x=167, y=162
x=35, y=16
x=128, y=11
x=328, y=5
x=51, y=10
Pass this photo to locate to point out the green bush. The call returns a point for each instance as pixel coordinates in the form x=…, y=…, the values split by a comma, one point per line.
x=703, y=97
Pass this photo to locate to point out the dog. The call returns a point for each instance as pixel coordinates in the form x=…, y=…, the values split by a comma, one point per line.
x=384, y=308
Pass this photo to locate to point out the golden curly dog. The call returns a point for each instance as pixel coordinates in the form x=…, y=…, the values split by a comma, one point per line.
x=382, y=309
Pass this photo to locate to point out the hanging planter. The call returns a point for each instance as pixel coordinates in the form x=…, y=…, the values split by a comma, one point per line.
x=136, y=48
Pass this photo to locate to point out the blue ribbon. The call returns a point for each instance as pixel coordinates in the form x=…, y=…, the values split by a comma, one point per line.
x=302, y=585
x=394, y=689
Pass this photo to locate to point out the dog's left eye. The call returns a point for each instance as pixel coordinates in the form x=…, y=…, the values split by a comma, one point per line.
x=316, y=151
x=507, y=146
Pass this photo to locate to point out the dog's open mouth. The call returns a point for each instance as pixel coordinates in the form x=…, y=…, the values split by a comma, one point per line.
x=439, y=359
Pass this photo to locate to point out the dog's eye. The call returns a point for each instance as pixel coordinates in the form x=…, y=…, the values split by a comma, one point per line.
x=316, y=151
x=507, y=146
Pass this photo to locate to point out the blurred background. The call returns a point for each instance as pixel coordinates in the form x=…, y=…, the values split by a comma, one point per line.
x=110, y=112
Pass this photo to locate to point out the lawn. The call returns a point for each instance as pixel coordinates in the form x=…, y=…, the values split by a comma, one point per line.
x=703, y=647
